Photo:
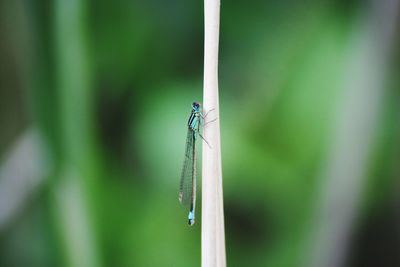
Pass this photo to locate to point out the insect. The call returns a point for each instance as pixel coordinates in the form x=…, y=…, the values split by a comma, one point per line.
x=187, y=186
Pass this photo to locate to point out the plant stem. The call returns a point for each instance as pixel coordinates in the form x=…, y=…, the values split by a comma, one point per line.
x=72, y=193
x=213, y=234
x=345, y=174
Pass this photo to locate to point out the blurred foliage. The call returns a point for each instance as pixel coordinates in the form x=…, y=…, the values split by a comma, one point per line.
x=110, y=89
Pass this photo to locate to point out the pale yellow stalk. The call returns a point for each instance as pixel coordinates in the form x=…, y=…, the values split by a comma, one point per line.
x=213, y=233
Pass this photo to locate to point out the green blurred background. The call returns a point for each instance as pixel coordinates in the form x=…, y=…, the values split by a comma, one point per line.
x=94, y=98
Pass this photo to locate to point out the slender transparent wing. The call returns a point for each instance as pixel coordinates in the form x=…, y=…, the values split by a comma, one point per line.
x=188, y=170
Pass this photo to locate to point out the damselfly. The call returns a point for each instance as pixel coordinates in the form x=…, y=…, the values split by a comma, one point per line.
x=187, y=187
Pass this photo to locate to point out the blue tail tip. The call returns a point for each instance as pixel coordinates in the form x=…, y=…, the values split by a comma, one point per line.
x=191, y=218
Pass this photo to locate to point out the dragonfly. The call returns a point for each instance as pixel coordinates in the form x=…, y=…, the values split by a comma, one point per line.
x=187, y=186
